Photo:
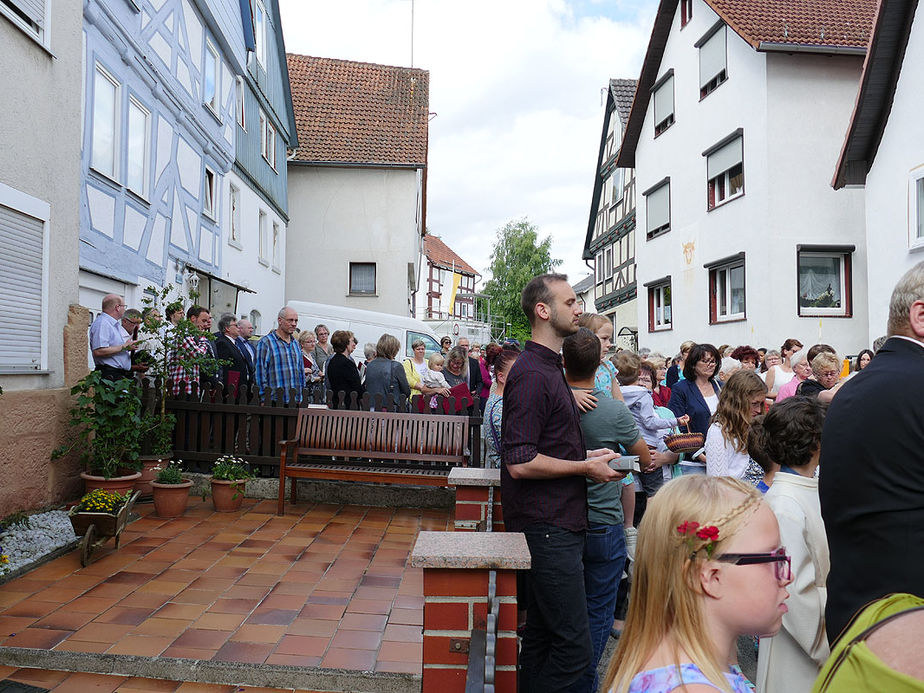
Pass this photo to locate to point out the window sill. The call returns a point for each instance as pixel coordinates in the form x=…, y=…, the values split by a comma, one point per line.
x=362, y=294
x=723, y=321
x=25, y=370
x=658, y=133
x=263, y=262
x=276, y=269
x=235, y=244
x=138, y=197
x=848, y=314
x=654, y=234
x=724, y=202
x=105, y=178
x=42, y=42
x=211, y=112
x=666, y=328
x=916, y=246
x=704, y=96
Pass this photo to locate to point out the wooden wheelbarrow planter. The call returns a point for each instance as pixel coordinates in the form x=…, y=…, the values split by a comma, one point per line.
x=98, y=528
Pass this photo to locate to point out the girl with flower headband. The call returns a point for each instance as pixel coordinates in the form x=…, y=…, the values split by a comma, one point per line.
x=709, y=568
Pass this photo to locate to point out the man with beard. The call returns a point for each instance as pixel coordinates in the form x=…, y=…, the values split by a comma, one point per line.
x=543, y=489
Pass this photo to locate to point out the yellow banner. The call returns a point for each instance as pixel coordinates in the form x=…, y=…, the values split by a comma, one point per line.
x=456, y=280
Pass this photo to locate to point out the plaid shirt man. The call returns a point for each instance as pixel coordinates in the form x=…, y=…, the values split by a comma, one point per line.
x=182, y=376
x=279, y=364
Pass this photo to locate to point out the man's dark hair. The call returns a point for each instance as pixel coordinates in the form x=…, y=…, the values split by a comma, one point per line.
x=697, y=354
x=581, y=353
x=538, y=291
x=789, y=433
x=132, y=314
x=195, y=311
x=225, y=322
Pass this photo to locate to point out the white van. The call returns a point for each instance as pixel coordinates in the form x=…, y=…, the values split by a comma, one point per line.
x=367, y=325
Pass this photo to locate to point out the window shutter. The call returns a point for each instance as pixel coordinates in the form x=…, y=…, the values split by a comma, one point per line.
x=21, y=249
x=34, y=10
x=664, y=101
x=712, y=57
x=659, y=207
x=723, y=159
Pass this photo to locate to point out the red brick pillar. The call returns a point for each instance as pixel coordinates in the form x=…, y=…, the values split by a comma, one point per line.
x=472, y=486
x=457, y=567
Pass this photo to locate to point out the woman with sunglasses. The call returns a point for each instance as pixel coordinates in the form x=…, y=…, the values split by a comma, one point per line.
x=709, y=568
x=790, y=435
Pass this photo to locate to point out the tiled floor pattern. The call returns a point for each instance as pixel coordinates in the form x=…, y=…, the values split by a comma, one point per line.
x=64, y=682
x=325, y=586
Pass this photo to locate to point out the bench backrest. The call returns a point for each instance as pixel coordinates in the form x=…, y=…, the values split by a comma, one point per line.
x=390, y=433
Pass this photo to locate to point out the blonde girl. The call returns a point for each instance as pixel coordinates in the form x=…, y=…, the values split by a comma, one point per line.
x=605, y=377
x=709, y=568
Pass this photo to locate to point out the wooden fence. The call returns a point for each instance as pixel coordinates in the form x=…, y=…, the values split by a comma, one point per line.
x=212, y=423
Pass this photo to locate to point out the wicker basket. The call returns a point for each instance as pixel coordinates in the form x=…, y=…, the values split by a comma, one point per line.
x=684, y=442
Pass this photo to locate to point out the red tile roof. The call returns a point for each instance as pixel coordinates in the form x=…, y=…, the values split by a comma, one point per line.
x=359, y=113
x=441, y=255
x=832, y=23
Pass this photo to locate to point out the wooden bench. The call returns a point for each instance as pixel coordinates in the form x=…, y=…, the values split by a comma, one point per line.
x=390, y=448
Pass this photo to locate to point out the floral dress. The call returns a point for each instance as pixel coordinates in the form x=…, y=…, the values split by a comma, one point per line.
x=493, y=413
x=603, y=378
x=666, y=679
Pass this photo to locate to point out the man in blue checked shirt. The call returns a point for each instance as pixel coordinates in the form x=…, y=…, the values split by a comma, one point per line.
x=279, y=358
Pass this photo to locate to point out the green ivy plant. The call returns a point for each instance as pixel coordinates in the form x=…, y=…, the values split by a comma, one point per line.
x=107, y=417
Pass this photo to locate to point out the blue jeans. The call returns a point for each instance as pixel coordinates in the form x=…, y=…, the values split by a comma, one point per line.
x=556, y=641
x=604, y=560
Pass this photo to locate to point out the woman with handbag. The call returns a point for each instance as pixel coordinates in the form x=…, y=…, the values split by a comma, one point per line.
x=385, y=376
x=696, y=396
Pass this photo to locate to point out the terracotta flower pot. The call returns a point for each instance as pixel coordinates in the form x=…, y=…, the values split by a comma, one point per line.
x=170, y=499
x=119, y=484
x=149, y=467
x=227, y=496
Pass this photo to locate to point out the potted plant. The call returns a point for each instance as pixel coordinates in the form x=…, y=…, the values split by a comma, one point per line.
x=107, y=417
x=156, y=448
x=229, y=477
x=171, y=490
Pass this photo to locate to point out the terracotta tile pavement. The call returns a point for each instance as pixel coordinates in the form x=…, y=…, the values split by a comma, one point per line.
x=325, y=585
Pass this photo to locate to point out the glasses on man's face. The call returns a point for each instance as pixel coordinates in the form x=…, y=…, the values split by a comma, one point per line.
x=782, y=562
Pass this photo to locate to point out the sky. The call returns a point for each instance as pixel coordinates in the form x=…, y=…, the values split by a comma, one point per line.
x=515, y=101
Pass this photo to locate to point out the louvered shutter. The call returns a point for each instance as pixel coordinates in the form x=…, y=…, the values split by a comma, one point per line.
x=21, y=248
x=33, y=9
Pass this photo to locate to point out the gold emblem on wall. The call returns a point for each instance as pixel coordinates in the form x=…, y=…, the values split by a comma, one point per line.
x=689, y=250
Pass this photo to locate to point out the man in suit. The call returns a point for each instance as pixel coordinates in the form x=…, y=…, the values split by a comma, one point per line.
x=872, y=461
x=237, y=374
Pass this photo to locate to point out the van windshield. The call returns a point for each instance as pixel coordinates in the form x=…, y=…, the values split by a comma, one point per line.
x=432, y=345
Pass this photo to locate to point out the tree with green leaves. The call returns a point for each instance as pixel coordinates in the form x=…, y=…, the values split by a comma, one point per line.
x=518, y=256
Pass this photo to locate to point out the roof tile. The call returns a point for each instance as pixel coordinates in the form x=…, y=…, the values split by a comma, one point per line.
x=360, y=113
x=441, y=255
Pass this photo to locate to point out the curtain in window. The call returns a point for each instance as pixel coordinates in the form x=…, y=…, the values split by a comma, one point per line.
x=820, y=277
x=712, y=57
x=362, y=278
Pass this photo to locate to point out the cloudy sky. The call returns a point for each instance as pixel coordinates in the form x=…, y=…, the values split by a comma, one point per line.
x=515, y=86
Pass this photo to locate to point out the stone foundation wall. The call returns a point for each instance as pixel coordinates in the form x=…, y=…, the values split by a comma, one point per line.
x=33, y=423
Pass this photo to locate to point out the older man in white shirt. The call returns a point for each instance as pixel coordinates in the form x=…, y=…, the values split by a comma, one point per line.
x=110, y=342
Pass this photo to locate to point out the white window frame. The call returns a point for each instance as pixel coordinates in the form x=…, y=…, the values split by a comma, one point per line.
x=262, y=221
x=598, y=263
x=686, y=12
x=916, y=209
x=619, y=185
x=660, y=307
x=267, y=140
x=276, y=246
x=210, y=194
x=351, y=290
x=110, y=167
x=21, y=203
x=240, y=107
x=724, y=164
x=34, y=22
x=140, y=188
x=234, y=216
x=259, y=31
x=212, y=59
x=721, y=275
x=845, y=283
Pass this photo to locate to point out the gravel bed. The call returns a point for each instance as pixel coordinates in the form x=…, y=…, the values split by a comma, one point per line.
x=45, y=533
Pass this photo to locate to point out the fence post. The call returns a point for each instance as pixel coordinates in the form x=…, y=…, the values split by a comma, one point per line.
x=472, y=485
x=456, y=569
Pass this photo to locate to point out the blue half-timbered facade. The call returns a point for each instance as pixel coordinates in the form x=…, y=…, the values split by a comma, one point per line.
x=165, y=81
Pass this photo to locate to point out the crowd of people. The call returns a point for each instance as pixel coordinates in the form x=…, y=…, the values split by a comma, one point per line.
x=798, y=508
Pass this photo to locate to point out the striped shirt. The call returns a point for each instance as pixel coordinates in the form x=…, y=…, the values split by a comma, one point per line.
x=541, y=416
x=279, y=364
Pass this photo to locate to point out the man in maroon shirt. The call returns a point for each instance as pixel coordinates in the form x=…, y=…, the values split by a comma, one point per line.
x=543, y=489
